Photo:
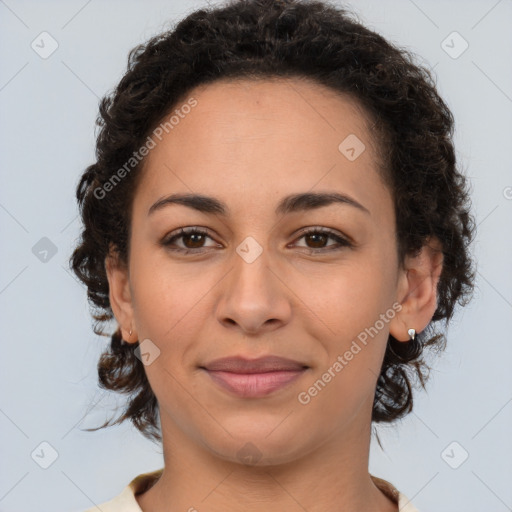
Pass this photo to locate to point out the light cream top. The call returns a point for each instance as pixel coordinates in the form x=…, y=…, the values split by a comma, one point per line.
x=126, y=502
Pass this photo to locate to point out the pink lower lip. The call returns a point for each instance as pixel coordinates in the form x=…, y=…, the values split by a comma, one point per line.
x=254, y=385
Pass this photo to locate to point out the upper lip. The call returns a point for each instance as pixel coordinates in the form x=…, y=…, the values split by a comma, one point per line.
x=265, y=364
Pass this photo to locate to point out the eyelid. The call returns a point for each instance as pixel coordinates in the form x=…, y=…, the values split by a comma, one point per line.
x=178, y=233
x=322, y=229
x=342, y=240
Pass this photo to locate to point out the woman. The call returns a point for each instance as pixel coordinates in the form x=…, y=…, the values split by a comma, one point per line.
x=275, y=220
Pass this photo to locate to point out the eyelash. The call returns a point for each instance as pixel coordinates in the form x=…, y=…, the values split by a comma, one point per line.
x=168, y=241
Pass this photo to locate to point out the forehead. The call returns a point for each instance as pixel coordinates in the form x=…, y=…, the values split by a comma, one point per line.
x=295, y=107
x=260, y=138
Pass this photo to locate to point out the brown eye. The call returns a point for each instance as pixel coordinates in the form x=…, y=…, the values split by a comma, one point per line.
x=196, y=240
x=192, y=240
x=316, y=240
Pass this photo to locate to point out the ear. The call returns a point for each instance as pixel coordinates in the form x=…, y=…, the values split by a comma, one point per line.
x=417, y=290
x=120, y=295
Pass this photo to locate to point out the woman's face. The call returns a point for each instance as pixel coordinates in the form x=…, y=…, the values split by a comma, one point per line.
x=255, y=285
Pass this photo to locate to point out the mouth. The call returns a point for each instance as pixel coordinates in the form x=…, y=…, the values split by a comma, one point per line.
x=254, y=378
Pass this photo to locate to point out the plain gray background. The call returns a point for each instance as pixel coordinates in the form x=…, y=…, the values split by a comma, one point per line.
x=49, y=353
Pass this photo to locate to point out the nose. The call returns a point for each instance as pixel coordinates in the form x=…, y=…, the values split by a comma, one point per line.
x=254, y=296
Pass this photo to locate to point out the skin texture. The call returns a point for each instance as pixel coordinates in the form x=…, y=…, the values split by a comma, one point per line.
x=250, y=143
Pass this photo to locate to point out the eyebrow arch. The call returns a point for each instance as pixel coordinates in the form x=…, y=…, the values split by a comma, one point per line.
x=289, y=204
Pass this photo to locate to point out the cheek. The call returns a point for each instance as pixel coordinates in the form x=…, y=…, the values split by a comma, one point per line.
x=165, y=294
x=169, y=309
x=354, y=308
x=352, y=351
x=348, y=297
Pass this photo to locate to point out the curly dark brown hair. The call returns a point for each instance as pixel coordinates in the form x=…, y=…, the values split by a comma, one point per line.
x=270, y=39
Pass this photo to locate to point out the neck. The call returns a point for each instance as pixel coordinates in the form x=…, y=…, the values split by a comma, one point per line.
x=331, y=477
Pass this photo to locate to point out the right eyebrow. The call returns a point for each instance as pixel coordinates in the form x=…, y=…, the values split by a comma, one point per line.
x=290, y=204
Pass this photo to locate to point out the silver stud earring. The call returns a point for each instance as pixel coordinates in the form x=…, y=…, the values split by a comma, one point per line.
x=412, y=333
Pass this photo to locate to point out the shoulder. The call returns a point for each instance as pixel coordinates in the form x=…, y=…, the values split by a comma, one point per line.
x=126, y=501
x=404, y=504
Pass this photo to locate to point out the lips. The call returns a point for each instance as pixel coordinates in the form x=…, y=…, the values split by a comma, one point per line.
x=260, y=365
x=254, y=378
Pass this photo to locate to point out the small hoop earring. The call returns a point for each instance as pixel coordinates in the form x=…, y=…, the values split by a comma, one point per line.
x=411, y=332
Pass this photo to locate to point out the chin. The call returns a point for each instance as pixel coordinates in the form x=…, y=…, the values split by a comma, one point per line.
x=255, y=447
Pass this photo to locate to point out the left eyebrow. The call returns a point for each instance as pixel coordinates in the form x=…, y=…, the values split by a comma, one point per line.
x=290, y=204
